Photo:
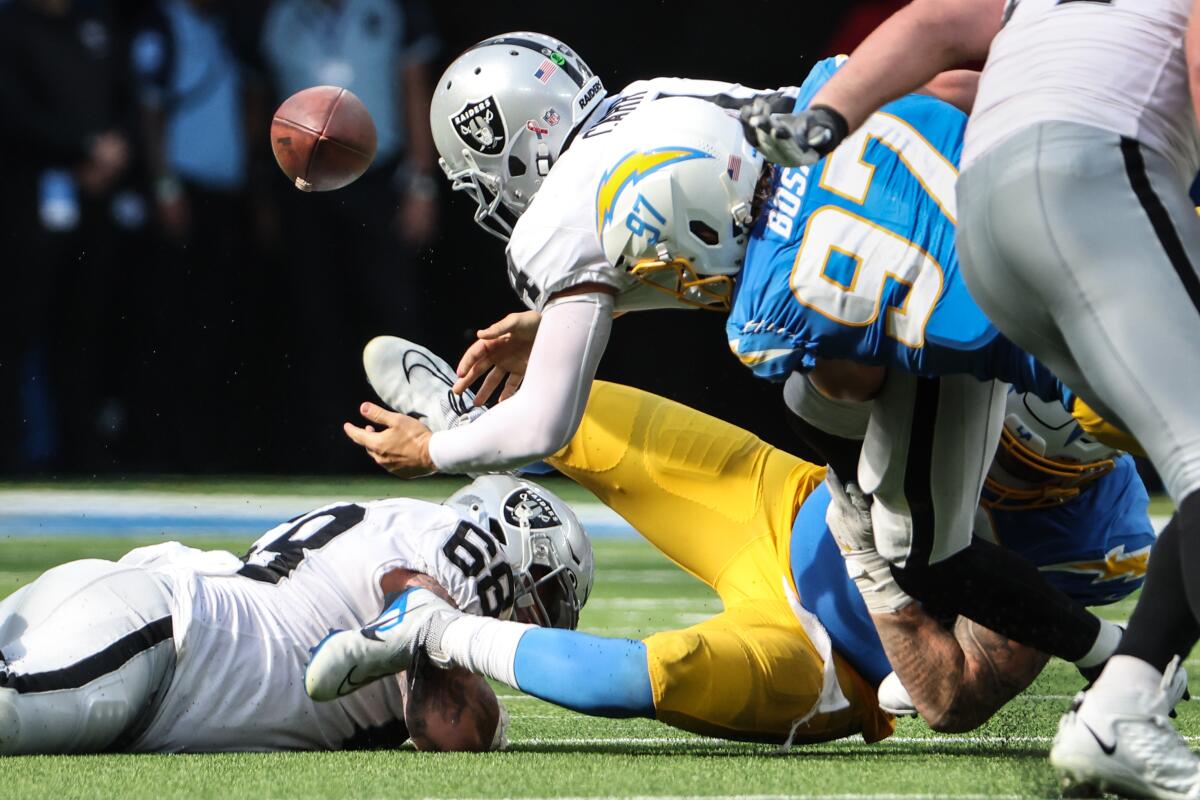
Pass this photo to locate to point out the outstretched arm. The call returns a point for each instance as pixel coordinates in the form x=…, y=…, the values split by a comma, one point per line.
x=957, y=680
x=909, y=50
x=902, y=55
x=532, y=424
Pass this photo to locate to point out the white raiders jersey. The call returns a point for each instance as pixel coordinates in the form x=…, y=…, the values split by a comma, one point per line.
x=1117, y=65
x=243, y=627
x=555, y=244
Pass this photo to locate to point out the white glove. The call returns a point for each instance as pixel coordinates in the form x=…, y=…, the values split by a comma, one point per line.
x=849, y=515
x=793, y=140
x=849, y=519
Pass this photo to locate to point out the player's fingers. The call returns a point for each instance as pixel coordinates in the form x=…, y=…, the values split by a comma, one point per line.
x=378, y=414
x=473, y=373
x=359, y=436
x=511, y=385
x=488, y=387
x=478, y=351
x=498, y=329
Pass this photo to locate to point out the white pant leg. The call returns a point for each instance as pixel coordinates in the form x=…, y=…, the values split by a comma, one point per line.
x=1084, y=248
x=87, y=647
x=928, y=448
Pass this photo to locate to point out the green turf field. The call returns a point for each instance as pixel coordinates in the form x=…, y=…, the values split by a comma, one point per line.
x=555, y=753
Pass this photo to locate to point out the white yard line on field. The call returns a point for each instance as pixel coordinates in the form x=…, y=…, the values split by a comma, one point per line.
x=964, y=741
x=765, y=797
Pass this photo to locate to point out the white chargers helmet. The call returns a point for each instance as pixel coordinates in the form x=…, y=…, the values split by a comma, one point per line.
x=675, y=208
x=1044, y=457
x=501, y=115
x=545, y=543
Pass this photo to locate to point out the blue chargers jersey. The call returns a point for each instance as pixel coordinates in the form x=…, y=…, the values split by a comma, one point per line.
x=1095, y=548
x=854, y=258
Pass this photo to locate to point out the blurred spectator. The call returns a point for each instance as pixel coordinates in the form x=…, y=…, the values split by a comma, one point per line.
x=350, y=268
x=65, y=148
x=193, y=101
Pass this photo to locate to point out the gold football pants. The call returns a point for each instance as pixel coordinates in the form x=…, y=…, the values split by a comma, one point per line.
x=719, y=502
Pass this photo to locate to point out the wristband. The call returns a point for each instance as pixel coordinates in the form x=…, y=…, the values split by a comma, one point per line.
x=835, y=123
x=872, y=574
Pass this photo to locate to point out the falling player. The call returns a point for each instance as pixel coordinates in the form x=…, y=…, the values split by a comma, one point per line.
x=793, y=655
x=661, y=207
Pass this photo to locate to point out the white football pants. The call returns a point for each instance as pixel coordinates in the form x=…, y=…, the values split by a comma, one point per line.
x=927, y=447
x=87, y=650
x=1084, y=248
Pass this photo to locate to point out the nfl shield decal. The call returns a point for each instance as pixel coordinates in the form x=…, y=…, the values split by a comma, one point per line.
x=480, y=126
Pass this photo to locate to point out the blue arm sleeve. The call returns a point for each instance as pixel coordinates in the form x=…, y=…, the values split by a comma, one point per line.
x=590, y=674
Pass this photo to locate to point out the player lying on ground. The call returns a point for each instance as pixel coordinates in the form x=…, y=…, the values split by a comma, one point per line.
x=177, y=649
x=793, y=653
x=652, y=203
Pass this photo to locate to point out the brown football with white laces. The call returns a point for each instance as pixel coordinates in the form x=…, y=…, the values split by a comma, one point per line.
x=323, y=138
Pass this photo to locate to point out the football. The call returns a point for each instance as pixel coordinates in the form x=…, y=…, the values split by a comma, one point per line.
x=323, y=138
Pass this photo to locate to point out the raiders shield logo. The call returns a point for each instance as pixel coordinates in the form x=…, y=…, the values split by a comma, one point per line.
x=526, y=507
x=481, y=127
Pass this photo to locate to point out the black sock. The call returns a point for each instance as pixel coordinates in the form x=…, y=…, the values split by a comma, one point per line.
x=1188, y=517
x=1163, y=624
x=1002, y=591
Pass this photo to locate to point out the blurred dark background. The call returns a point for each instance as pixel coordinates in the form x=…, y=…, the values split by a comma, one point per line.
x=172, y=304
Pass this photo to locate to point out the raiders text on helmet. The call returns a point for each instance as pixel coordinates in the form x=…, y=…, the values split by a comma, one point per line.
x=501, y=114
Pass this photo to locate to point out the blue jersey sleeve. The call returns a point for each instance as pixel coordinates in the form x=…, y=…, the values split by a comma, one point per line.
x=817, y=77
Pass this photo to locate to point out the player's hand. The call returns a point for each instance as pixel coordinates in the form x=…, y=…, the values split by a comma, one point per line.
x=793, y=140
x=849, y=516
x=849, y=519
x=502, y=352
x=396, y=442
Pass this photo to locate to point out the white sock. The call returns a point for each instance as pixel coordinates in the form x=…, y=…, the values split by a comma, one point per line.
x=481, y=645
x=1125, y=678
x=1104, y=646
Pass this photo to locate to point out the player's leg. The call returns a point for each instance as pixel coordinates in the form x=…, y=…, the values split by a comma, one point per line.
x=928, y=448
x=589, y=674
x=1083, y=247
x=1103, y=269
x=699, y=489
x=750, y=672
x=753, y=672
x=86, y=649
